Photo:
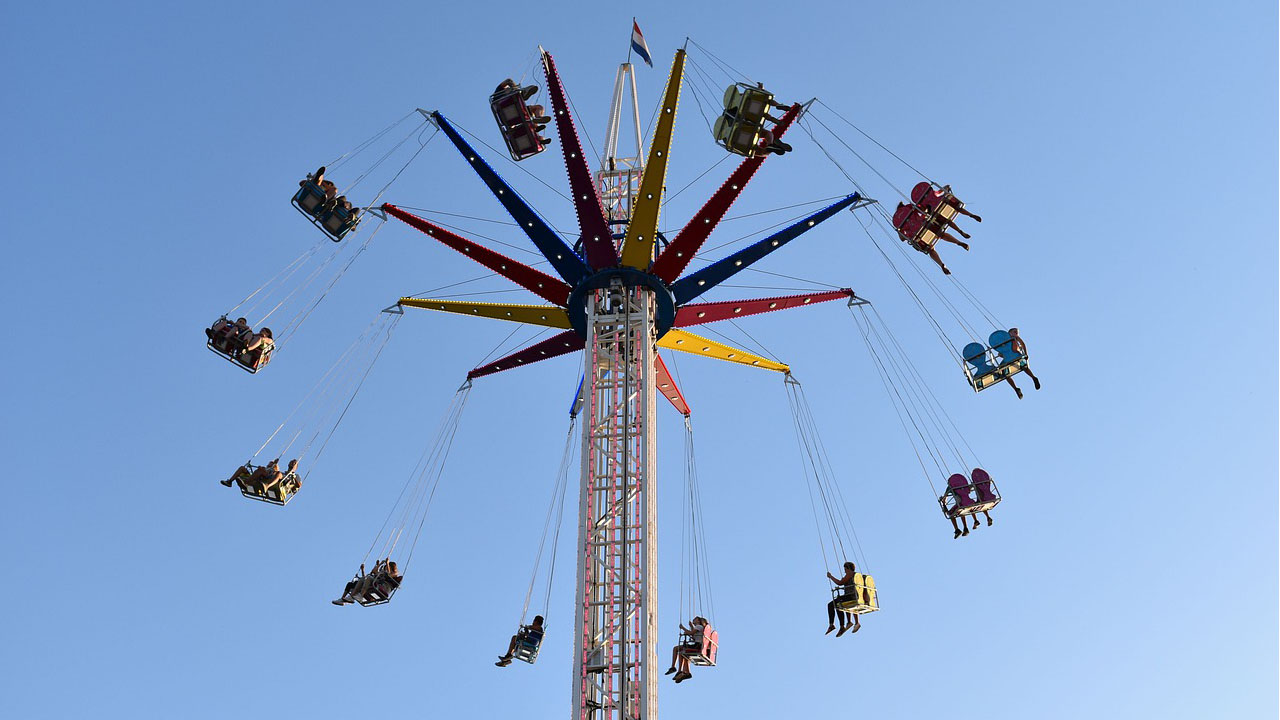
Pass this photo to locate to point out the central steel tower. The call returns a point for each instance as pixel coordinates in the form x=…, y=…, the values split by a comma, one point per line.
x=617, y=589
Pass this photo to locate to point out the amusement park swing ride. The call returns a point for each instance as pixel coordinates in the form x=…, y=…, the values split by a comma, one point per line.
x=621, y=291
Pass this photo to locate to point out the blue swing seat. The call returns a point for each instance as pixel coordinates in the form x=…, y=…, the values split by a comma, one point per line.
x=986, y=366
x=528, y=643
x=336, y=223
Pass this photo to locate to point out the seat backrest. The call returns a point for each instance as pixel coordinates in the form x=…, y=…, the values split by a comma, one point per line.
x=901, y=214
x=524, y=141
x=743, y=137
x=982, y=484
x=732, y=97
x=976, y=355
x=1002, y=342
x=754, y=105
x=959, y=486
x=721, y=128
x=309, y=197
x=920, y=192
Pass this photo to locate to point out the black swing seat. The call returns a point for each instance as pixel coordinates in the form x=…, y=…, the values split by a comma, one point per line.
x=701, y=647
x=859, y=597
x=376, y=590
x=516, y=123
x=528, y=643
x=336, y=222
x=279, y=494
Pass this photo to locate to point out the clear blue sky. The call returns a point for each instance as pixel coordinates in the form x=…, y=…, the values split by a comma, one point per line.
x=1123, y=156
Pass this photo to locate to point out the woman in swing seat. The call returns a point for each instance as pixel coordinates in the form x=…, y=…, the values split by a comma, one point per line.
x=680, y=653
x=846, y=582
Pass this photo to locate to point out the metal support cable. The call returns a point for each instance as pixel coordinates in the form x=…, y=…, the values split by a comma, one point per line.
x=898, y=411
x=350, y=154
x=877, y=142
x=933, y=397
x=297, y=320
x=556, y=503
x=290, y=269
x=323, y=378
x=354, y=392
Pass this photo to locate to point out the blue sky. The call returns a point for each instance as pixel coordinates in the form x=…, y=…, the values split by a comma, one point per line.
x=1123, y=158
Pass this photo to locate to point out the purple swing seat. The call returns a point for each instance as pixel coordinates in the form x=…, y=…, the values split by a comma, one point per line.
x=988, y=495
x=958, y=498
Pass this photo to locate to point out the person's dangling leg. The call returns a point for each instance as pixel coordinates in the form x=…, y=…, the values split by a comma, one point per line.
x=943, y=235
x=1034, y=379
x=831, y=617
x=934, y=254
x=1015, y=387
x=675, y=658
x=962, y=211
x=505, y=660
x=988, y=514
x=956, y=526
x=684, y=673
x=950, y=222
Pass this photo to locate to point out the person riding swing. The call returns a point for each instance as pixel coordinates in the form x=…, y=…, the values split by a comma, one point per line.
x=850, y=590
x=530, y=634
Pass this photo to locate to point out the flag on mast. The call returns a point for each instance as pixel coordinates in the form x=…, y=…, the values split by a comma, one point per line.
x=638, y=44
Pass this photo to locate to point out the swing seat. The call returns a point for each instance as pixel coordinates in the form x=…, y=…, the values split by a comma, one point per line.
x=519, y=131
x=738, y=130
x=737, y=137
x=986, y=366
x=280, y=494
x=309, y=199
x=336, y=222
x=339, y=221
x=528, y=643
x=860, y=598
x=964, y=498
x=245, y=359
x=749, y=103
x=914, y=226
x=939, y=204
x=701, y=648
x=378, y=592
x=1002, y=342
x=235, y=357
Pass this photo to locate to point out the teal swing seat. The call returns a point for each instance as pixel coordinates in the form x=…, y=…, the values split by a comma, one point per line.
x=987, y=365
